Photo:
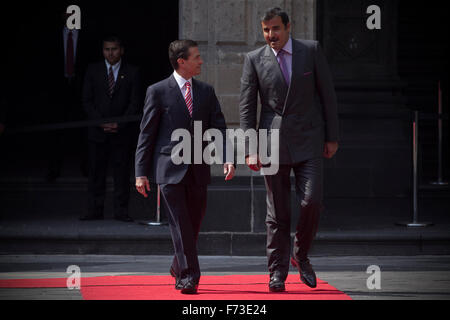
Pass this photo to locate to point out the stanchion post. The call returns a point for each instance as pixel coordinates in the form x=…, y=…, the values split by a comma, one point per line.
x=158, y=212
x=440, y=181
x=415, y=222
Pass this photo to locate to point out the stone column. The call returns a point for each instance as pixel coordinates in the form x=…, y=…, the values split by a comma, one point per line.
x=226, y=30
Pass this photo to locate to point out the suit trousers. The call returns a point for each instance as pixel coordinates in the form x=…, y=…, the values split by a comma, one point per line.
x=185, y=204
x=100, y=155
x=309, y=191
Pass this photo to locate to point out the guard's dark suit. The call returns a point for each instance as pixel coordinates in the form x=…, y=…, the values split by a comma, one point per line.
x=105, y=146
x=64, y=104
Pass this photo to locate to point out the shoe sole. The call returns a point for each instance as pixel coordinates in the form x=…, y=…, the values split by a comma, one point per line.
x=280, y=289
x=188, y=291
x=295, y=264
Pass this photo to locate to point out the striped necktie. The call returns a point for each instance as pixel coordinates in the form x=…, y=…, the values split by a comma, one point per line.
x=111, y=81
x=188, y=97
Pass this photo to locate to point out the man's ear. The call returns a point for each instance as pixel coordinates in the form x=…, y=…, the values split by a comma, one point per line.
x=288, y=26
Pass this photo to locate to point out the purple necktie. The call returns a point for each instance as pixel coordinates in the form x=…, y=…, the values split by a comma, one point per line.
x=283, y=66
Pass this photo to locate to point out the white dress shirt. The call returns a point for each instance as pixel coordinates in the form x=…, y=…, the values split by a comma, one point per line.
x=115, y=68
x=182, y=84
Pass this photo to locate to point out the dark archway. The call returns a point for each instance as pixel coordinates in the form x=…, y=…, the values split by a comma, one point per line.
x=32, y=68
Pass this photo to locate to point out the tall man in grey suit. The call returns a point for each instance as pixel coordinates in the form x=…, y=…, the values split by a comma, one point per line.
x=289, y=74
x=171, y=104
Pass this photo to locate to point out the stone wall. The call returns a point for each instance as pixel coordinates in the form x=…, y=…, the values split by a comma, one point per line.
x=226, y=30
x=373, y=165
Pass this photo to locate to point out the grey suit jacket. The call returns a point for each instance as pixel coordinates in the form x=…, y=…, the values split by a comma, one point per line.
x=304, y=123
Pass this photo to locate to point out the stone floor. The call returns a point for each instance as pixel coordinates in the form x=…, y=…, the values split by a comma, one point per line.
x=401, y=277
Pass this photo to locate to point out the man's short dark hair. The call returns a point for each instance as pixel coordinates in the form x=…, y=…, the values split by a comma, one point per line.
x=180, y=49
x=273, y=12
x=112, y=38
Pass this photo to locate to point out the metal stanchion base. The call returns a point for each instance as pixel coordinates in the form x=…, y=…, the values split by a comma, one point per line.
x=415, y=224
x=153, y=223
x=439, y=183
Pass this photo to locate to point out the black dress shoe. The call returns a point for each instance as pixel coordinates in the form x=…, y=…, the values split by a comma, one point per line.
x=189, y=287
x=307, y=274
x=91, y=217
x=178, y=284
x=124, y=218
x=276, y=283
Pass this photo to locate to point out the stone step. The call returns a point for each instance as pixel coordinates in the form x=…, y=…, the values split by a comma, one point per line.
x=157, y=241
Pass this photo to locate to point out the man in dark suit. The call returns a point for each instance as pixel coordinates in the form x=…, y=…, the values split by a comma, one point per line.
x=66, y=49
x=175, y=103
x=289, y=74
x=111, y=89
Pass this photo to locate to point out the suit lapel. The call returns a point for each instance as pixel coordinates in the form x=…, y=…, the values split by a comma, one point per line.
x=179, y=104
x=196, y=99
x=275, y=75
x=274, y=70
x=77, y=51
x=120, y=76
x=105, y=76
x=298, y=65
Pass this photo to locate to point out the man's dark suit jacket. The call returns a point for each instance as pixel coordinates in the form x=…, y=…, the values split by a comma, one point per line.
x=79, y=62
x=165, y=111
x=99, y=105
x=304, y=125
x=63, y=88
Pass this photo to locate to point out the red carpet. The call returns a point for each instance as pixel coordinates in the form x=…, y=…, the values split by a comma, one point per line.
x=229, y=287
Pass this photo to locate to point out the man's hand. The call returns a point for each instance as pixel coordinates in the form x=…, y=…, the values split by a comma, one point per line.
x=330, y=149
x=228, y=171
x=253, y=162
x=109, y=127
x=142, y=184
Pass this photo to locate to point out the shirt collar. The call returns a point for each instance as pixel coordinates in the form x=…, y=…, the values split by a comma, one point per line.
x=114, y=67
x=180, y=80
x=287, y=47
